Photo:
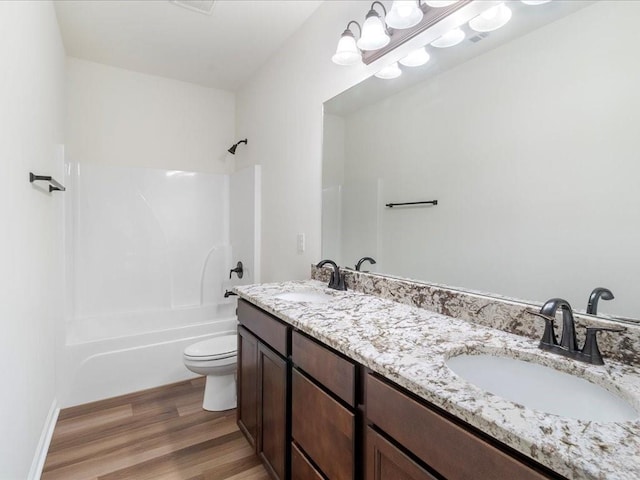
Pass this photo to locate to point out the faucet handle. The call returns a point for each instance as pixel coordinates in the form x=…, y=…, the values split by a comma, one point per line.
x=549, y=335
x=590, y=348
x=337, y=281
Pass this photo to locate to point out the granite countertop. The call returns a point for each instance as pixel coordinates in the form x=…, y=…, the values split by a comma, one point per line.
x=409, y=346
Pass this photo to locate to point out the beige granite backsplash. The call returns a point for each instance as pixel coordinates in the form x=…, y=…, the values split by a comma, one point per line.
x=490, y=310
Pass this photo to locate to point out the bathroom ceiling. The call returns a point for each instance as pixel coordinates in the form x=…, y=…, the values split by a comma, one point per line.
x=221, y=50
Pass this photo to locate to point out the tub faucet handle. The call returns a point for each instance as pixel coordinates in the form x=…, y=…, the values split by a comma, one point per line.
x=239, y=270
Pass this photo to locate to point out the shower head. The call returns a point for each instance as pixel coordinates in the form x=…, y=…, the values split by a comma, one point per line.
x=232, y=150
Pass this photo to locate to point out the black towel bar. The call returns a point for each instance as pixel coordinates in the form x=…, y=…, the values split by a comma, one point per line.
x=430, y=202
x=54, y=185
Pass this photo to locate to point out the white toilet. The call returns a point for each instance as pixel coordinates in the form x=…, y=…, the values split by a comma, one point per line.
x=215, y=358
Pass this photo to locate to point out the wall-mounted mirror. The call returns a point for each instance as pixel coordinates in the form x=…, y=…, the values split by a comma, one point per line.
x=528, y=137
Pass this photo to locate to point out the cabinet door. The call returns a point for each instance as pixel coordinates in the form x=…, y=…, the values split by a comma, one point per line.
x=272, y=411
x=386, y=462
x=247, y=385
x=323, y=428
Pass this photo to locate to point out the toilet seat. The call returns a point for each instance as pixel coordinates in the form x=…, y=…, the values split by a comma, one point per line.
x=217, y=348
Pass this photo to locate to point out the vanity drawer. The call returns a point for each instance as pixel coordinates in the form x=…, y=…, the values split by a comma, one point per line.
x=331, y=370
x=385, y=461
x=437, y=441
x=301, y=469
x=269, y=329
x=323, y=428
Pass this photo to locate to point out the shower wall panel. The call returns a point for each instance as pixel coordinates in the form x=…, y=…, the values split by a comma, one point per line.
x=147, y=239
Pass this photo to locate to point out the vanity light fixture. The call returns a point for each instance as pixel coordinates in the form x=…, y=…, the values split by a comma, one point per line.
x=449, y=39
x=416, y=58
x=405, y=20
x=347, y=52
x=374, y=32
x=404, y=14
x=389, y=72
x=491, y=19
x=440, y=3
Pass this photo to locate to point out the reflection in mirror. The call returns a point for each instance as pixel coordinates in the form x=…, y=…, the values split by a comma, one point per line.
x=529, y=141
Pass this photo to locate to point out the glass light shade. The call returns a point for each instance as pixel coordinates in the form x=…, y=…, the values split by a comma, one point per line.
x=404, y=14
x=416, y=58
x=449, y=39
x=535, y=2
x=492, y=19
x=374, y=34
x=389, y=72
x=347, y=52
x=440, y=3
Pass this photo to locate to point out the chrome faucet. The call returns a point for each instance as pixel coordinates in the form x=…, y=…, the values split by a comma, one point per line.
x=568, y=346
x=362, y=260
x=337, y=278
x=597, y=294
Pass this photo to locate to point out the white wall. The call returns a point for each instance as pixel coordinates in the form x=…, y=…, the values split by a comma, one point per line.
x=531, y=150
x=31, y=120
x=244, y=225
x=280, y=111
x=120, y=117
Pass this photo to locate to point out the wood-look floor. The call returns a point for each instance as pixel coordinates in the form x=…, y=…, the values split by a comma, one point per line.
x=161, y=433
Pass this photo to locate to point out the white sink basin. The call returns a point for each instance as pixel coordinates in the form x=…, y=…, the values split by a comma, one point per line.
x=305, y=296
x=542, y=388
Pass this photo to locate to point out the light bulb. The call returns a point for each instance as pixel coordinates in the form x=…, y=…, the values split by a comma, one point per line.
x=491, y=19
x=449, y=39
x=440, y=3
x=389, y=72
x=404, y=14
x=374, y=34
x=347, y=52
x=416, y=58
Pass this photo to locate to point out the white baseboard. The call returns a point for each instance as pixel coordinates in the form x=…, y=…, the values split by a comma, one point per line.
x=45, y=439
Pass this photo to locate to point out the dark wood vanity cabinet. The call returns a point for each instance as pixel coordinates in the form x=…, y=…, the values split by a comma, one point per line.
x=263, y=377
x=440, y=444
x=313, y=414
x=323, y=417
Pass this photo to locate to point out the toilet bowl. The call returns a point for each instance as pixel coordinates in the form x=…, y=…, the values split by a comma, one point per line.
x=215, y=358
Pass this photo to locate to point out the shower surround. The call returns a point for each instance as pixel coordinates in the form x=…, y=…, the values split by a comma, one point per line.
x=148, y=254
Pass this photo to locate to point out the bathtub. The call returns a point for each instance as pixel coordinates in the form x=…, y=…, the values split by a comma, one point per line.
x=111, y=355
